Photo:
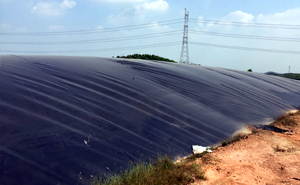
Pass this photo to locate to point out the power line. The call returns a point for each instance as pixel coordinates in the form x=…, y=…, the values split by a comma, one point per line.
x=99, y=50
x=235, y=22
x=162, y=34
x=163, y=45
x=114, y=39
x=260, y=25
x=94, y=31
x=147, y=25
x=245, y=36
x=245, y=48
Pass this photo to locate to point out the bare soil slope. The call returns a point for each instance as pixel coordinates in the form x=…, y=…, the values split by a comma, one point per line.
x=263, y=157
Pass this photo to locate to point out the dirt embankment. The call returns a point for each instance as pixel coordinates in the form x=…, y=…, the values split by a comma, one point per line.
x=263, y=157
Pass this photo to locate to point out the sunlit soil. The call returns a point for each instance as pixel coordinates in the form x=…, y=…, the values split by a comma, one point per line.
x=263, y=157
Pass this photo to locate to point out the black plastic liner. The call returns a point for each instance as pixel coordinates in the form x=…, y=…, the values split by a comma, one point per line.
x=60, y=116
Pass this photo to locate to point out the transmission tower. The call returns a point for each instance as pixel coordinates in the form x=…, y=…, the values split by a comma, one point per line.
x=184, y=57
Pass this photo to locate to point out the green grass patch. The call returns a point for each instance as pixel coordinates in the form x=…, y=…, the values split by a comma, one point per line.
x=233, y=139
x=162, y=171
x=285, y=120
x=196, y=156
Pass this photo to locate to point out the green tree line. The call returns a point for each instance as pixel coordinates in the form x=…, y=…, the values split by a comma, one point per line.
x=291, y=75
x=295, y=76
x=146, y=57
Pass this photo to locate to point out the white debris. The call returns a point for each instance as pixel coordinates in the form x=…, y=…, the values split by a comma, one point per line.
x=200, y=149
x=86, y=142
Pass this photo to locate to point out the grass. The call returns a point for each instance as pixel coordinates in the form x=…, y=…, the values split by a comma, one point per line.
x=285, y=120
x=254, y=131
x=280, y=149
x=196, y=156
x=163, y=171
x=233, y=139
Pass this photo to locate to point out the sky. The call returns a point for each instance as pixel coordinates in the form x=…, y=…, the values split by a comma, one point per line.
x=108, y=28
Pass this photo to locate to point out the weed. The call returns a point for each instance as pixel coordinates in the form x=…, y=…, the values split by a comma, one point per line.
x=254, y=131
x=281, y=118
x=163, y=171
x=199, y=173
x=285, y=120
x=291, y=149
x=289, y=122
x=279, y=149
x=214, y=147
x=196, y=156
x=233, y=139
x=208, y=159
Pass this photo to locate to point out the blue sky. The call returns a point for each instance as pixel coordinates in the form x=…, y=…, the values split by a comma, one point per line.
x=31, y=16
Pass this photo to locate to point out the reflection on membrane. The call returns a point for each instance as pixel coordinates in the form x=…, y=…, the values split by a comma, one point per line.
x=63, y=115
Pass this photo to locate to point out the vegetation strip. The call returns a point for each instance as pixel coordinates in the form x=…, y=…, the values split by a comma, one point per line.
x=163, y=171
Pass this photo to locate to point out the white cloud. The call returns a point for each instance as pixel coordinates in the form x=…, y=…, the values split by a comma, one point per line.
x=141, y=10
x=99, y=27
x=200, y=21
x=55, y=27
x=259, y=60
x=135, y=10
x=291, y=16
x=53, y=8
x=122, y=1
x=154, y=25
x=159, y=5
x=239, y=16
x=67, y=4
x=22, y=29
x=117, y=19
x=5, y=26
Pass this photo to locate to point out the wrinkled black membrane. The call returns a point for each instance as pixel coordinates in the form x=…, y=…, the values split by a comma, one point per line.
x=60, y=116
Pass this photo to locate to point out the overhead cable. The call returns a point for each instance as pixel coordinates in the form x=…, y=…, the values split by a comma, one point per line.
x=245, y=48
x=162, y=34
x=100, y=50
x=163, y=45
x=94, y=31
x=247, y=24
x=245, y=36
x=113, y=39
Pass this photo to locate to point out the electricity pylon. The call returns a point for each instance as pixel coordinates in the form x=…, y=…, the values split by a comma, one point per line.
x=184, y=57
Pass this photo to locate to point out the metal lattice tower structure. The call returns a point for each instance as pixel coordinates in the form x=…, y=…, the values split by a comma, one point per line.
x=184, y=57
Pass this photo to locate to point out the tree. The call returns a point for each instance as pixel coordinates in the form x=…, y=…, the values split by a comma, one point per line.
x=250, y=70
x=146, y=57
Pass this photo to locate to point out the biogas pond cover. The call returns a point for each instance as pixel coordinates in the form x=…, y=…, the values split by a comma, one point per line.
x=65, y=116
